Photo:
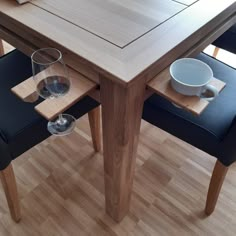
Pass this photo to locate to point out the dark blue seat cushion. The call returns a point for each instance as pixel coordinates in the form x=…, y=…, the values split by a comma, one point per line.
x=207, y=130
x=227, y=41
x=21, y=127
x=15, y=114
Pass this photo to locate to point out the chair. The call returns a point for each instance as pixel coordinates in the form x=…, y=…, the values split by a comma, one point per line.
x=214, y=131
x=226, y=41
x=21, y=127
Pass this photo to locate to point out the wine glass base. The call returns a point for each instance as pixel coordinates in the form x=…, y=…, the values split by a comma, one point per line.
x=63, y=125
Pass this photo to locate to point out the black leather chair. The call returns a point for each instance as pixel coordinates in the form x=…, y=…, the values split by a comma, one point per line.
x=214, y=131
x=21, y=127
x=226, y=41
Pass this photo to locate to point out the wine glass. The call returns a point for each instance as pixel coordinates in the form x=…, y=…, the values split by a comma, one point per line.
x=52, y=82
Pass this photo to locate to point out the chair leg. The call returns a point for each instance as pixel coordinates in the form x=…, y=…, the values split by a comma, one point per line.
x=1, y=48
x=9, y=185
x=217, y=180
x=216, y=50
x=95, y=127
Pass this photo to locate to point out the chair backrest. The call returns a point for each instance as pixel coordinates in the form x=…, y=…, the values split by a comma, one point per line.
x=227, y=41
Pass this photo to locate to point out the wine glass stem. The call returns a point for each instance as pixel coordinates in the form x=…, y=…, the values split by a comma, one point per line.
x=61, y=120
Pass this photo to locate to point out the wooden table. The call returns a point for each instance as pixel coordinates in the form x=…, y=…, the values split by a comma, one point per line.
x=120, y=45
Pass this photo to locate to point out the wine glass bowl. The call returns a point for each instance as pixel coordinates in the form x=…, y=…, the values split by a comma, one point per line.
x=52, y=82
x=50, y=73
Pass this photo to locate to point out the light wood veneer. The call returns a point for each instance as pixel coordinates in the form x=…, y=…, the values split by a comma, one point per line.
x=9, y=184
x=121, y=115
x=50, y=108
x=194, y=104
x=157, y=47
x=117, y=22
x=61, y=189
x=1, y=48
x=120, y=63
x=217, y=180
x=186, y=2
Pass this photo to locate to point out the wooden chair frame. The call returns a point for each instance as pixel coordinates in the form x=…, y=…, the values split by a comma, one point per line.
x=217, y=179
x=1, y=48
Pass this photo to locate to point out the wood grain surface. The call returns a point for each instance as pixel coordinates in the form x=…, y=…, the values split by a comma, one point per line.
x=1, y=48
x=61, y=188
x=121, y=117
x=194, y=104
x=9, y=185
x=216, y=183
x=81, y=86
x=150, y=53
x=186, y=2
x=128, y=67
x=117, y=22
x=50, y=108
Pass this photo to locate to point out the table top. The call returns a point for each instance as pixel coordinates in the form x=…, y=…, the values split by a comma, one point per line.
x=122, y=39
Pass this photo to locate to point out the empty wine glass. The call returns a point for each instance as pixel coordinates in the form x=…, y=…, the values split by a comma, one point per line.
x=52, y=82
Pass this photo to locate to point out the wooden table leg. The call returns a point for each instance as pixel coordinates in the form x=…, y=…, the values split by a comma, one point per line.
x=1, y=48
x=121, y=118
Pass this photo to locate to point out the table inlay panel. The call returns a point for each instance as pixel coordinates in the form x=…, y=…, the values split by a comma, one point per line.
x=124, y=57
x=186, y=2
x=128, y=19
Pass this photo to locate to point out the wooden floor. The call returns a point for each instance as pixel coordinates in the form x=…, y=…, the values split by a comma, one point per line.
x=60, y=184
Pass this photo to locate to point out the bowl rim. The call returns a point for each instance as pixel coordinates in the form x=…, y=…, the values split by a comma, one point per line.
x=190, y=59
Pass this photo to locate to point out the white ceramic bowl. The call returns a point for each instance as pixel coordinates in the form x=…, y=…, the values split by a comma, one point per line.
x=190, y=76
